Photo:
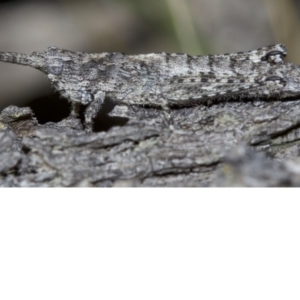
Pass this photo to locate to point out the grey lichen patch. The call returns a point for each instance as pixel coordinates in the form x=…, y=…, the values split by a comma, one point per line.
x=20, y=120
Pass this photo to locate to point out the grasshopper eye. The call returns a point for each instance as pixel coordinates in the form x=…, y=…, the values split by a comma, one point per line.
x=55, y=67
x=275, y=56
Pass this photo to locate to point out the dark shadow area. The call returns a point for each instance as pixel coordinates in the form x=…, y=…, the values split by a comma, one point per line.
x=103, y=122
x=53, y=109
x=9, y=1
x=50, y=109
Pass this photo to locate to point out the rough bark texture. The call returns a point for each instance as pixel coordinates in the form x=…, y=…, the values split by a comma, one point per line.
x=253, y=143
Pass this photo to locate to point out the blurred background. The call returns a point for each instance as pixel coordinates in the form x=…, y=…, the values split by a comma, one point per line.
x=133, y=26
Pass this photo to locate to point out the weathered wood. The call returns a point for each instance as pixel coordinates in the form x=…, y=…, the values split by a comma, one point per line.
x=253, y=143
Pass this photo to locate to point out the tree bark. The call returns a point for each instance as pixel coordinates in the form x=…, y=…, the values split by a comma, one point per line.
x=237, y=143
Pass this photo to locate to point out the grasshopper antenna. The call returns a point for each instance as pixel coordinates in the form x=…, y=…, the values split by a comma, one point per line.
x=22, y=59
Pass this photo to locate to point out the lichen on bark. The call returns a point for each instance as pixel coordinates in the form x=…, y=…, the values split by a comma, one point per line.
x=251, y=143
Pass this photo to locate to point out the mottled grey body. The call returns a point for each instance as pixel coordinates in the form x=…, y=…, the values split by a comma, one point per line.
x=163, y=80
